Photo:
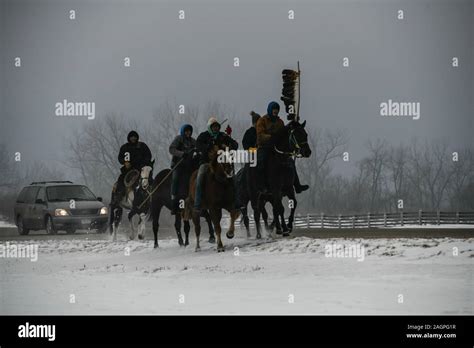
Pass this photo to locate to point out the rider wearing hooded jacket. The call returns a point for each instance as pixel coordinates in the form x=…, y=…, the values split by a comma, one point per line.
x=267, y=126
x=182, y=149
x=212, y=136
x=133, y=154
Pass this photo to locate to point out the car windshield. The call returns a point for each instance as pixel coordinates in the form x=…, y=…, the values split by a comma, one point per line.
x=68, y=192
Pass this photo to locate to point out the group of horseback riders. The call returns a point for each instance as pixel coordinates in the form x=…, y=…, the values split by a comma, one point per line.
x=189, y=154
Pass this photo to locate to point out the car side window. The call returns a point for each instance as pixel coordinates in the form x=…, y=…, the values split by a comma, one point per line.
x=41, y=194
x=22, y=195
x=31, y=194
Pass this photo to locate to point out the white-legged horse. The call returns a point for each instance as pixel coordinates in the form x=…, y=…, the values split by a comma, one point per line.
x=132, y=200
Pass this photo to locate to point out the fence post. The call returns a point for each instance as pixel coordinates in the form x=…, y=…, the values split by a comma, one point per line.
x=384, y=219
x=401, y=218
x=339, y=220
x=307, y=221
x=368, y=220
x=419, y=217
x=457, y=217
x=322, y=220
x=438, y=214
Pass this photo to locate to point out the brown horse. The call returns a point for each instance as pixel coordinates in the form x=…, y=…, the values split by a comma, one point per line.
x=218, y=194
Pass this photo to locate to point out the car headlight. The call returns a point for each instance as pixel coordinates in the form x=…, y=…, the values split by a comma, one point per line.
x=103, y=211
x=61, y=212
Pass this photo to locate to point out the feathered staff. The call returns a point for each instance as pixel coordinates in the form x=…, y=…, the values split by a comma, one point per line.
x=290, y=94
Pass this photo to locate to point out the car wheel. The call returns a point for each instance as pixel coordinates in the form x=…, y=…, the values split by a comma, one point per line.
x=21, y=227
x=71, y=231
x=50, y=229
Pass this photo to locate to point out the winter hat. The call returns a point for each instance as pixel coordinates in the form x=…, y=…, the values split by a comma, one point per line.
x=272, y=105
x=132, y=134
x=184, y=128
x=211, y=121
x=255, y=117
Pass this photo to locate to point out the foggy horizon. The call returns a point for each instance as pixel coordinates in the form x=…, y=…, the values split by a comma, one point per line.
x=190, y=62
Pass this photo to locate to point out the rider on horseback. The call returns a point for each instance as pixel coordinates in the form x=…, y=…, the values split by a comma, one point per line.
x=132, y=155
x=204, y=143
x=182, y=148
x=249, y=141
x=267, y=126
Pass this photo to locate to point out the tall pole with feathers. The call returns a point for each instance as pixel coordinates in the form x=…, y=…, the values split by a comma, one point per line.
x=290, y=93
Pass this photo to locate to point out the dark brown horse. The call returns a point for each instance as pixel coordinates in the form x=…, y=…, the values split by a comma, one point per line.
x=218, y=194
x=291, y=141
x=242, y=189
x=162, y=198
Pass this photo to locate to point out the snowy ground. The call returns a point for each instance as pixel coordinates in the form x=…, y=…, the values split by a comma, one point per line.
x=262, y=279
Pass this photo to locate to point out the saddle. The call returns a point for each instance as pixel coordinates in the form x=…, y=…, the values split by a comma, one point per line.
x=131, y=178
x=130, y=182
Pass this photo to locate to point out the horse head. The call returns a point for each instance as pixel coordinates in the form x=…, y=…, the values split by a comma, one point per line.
x=145, y=176
x=298, y=139
x=221, y=163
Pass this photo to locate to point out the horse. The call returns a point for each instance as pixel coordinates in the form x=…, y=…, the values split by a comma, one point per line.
x=138, y=185
x=161, y=198
x=243, y=199
x=218, y=194
x=290, y=141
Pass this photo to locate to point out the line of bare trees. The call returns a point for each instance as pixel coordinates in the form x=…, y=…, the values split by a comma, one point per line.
x=429, y=176
x=16, y=173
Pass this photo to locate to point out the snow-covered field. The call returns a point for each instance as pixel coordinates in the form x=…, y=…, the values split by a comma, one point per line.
x=262, y=278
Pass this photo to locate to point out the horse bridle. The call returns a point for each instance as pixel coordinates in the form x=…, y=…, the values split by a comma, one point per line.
x=295, y=144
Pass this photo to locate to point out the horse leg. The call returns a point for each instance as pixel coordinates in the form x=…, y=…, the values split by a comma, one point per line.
x=187, y=228
x=111, y=218
x=156, y=224
x=245, y=218
x=256, y=217
x=276, y=202
x=281, y=215
x=132, y=226
x=234, y=214
x=216, y=215
x=291, y=218
x=197, y=230
x=212, y=238
x=177, y=227
x=284, y=227
x=118, y=217
x=265, y=219
x=142, y=227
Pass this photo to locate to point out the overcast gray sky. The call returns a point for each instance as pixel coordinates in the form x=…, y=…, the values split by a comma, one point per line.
x=191, y=61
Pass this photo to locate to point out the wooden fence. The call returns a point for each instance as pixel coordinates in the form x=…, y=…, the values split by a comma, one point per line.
x=381, y=219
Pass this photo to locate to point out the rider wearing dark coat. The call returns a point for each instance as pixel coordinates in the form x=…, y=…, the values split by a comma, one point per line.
x=267, y=126
x=250, y=136
x=182, y=148
x=133, y=154
x=204, y=143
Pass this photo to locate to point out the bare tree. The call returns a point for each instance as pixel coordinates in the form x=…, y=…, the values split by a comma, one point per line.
x=9, y=172
x=462, y=180
x=93, y=151
x=397, y=167
x=326, y=146
x=374, y=166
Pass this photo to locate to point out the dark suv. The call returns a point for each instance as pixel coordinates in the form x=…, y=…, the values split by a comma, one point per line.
x=59, y=205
